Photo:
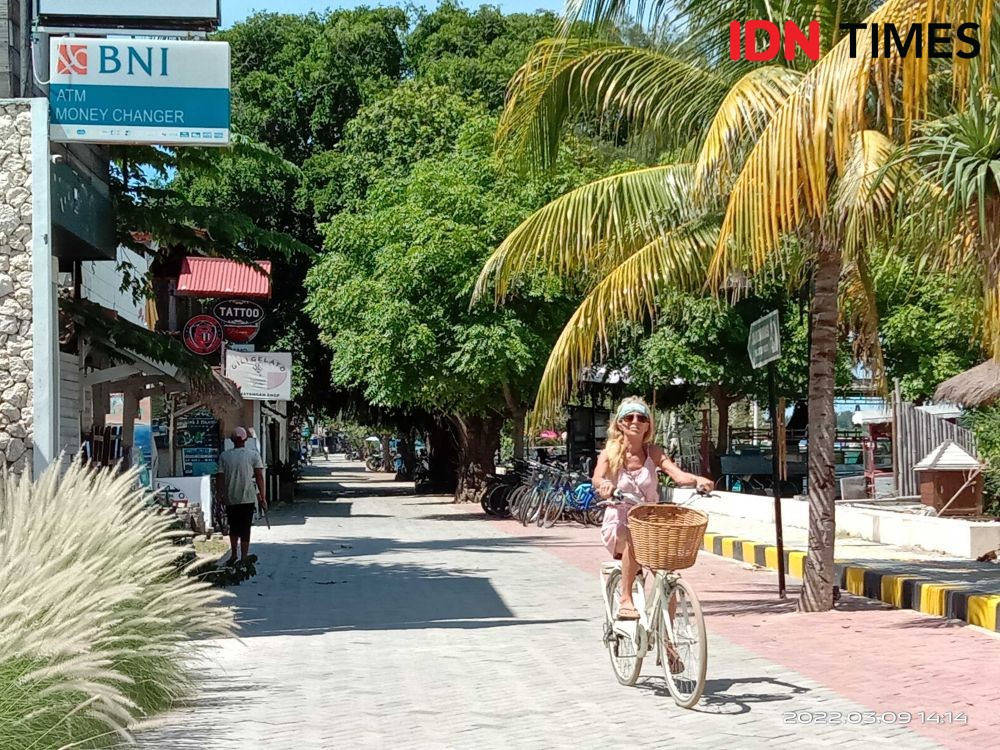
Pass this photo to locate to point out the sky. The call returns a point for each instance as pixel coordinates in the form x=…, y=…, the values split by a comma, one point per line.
x=237, y=10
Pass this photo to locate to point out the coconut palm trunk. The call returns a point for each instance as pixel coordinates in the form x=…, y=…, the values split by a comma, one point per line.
x=817, y=591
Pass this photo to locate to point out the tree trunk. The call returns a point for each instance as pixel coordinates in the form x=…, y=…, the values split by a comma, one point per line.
x=442, y=457
x=480, y=440
x=519, y=436
x=817, y=591
x=386, y=452
x=517, y=413
x=723, y=401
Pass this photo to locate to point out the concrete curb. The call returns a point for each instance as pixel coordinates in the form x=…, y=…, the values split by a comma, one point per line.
x=901, y=590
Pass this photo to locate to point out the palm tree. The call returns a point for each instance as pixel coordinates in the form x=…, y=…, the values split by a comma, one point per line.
x=804, y=162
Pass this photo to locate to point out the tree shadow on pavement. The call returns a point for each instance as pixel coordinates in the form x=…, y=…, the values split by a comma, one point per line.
x=718, y=700
x=297, y=514
x=763, y=600
x=330, y=585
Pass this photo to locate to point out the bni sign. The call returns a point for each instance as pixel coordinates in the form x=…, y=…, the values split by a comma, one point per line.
x=171, y=93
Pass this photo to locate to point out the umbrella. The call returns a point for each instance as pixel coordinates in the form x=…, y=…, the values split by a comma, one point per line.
x=973, y=388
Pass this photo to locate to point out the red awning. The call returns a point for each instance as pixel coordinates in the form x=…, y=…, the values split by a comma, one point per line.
x=219, y=277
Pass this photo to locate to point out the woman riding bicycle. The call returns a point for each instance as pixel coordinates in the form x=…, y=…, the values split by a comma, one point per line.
x=628, y=463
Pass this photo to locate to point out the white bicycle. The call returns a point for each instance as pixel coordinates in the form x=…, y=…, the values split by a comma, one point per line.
x=671, y=621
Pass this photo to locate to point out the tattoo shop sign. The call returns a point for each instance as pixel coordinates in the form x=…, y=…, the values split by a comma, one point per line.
x=240, y=319
x=261, y=376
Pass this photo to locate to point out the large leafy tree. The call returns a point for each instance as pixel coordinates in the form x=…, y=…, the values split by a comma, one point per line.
x=391, y=293
x=297, y=83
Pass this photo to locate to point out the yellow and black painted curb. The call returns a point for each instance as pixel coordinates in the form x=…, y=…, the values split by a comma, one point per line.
x=901, y=590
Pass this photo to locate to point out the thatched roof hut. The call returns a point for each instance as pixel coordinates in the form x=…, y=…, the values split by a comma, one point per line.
x=973, y=388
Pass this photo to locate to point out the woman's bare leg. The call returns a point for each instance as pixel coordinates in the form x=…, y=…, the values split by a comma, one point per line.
x=630, y=568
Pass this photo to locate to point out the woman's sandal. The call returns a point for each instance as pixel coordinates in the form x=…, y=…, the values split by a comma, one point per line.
x=628, y=613
x=676, y=665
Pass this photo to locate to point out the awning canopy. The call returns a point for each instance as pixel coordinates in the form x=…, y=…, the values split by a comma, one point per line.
x=221, y=277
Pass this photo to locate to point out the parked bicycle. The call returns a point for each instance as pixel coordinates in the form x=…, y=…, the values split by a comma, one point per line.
x=666, y=539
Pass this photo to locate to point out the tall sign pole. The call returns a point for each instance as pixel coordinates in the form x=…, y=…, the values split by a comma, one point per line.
x=764, y=348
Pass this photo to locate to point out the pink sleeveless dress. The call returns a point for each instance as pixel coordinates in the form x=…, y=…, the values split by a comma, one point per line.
x=641, y=483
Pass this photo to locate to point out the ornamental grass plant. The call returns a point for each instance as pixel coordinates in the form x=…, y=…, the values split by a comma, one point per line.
x=97, y=616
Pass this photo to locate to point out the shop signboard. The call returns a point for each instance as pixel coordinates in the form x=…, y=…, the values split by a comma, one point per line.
x=240, y=319
x=131, y=13
x=261, y=376
x=202, y=335
x=139, y=91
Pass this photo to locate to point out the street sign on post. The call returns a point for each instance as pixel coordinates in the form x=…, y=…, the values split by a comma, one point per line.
x=765, y=340
x=764, y=347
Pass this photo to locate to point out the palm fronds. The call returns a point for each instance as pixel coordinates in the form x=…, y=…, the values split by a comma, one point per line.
x=629, y=293
x=594, y=228
x=742, y=115
x=785, y=181
x=93, y=609
x=654, y=94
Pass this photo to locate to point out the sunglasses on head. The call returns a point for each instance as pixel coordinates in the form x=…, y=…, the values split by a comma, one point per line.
x=642, y=418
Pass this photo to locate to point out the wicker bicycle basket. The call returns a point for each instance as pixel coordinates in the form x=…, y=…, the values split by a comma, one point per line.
x=666, y=537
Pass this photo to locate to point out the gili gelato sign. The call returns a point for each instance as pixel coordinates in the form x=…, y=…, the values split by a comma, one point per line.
x=139, y=91
x=261, y=376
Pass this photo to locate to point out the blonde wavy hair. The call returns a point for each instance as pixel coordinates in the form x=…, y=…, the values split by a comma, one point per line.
x=616, y=443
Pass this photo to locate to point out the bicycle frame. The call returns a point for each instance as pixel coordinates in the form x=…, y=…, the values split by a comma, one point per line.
x=639, y=631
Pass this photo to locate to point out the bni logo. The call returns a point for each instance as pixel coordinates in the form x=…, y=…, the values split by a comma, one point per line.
x=72, y=59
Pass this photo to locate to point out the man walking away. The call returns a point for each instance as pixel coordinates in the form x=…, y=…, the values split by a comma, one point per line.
x=240, y=482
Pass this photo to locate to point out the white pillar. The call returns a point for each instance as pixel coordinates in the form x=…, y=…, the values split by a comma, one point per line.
x=44, y=292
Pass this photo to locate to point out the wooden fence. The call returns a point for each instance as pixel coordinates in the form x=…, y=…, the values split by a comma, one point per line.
x=916, y=434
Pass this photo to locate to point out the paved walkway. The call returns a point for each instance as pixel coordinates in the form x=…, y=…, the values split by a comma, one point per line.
x=391, y=621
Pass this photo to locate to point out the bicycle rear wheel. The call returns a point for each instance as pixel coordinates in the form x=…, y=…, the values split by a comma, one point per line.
x=625, y=662
x=516, y=501
x=485, y=502
x=685, y=665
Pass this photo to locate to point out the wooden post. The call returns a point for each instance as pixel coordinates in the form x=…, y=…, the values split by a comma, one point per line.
x=171, y=430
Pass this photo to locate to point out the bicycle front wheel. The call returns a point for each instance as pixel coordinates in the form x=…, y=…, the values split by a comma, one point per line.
x=625, y=661
x=553, y=509
x=682, y=644
x=532, y=507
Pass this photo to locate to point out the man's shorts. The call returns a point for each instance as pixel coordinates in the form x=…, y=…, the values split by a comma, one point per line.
x=240, y=519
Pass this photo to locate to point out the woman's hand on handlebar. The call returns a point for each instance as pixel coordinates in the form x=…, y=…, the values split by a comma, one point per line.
x=606, y=488
x=704, y=485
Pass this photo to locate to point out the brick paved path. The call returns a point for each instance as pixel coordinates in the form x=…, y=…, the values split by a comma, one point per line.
x=408, y=622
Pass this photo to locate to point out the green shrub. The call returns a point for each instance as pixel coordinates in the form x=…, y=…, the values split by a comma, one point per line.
x=985, y=423
x=95, y=618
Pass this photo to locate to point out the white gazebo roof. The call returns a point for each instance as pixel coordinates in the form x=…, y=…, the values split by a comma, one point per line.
x=948, y=456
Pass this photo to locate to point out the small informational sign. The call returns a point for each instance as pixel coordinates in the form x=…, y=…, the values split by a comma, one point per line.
x=261, y=376
x=198, y=437
x=203, y=335
x=765, y=340
x=139, y=91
